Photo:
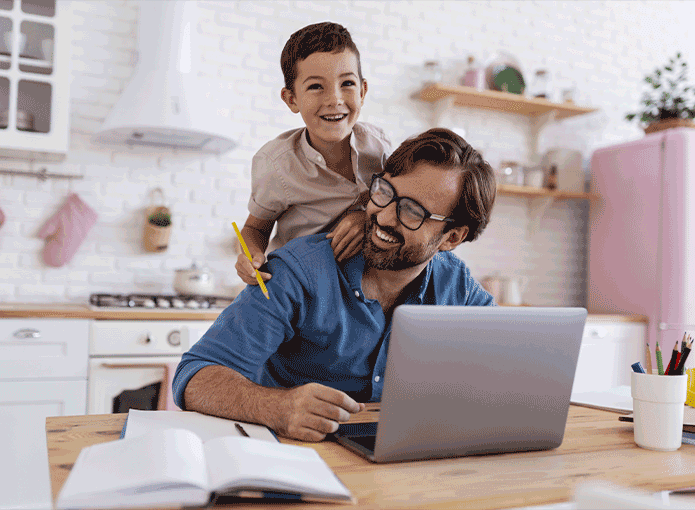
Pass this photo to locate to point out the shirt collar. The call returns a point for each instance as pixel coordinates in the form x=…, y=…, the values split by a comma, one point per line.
x=354, y=268
x=315, y=156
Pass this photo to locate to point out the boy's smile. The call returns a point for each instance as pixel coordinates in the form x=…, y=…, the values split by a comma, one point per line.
x=329, y=96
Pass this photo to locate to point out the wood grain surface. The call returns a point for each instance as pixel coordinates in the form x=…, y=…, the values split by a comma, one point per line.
x=596, y=446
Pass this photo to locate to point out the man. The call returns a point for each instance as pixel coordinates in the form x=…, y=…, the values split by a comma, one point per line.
x=302, y=361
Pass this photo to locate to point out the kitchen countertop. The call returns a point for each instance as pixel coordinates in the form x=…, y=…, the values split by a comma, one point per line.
x=77, y=311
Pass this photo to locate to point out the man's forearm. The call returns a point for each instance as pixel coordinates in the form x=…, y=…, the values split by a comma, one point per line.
x=222, y=391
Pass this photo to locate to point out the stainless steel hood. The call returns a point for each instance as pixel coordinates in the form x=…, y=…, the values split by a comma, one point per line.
x=164, y=105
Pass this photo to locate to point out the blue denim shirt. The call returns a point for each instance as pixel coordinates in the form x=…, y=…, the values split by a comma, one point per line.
x=318, y=326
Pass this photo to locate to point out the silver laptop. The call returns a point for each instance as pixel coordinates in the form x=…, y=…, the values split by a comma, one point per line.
x=466, y=380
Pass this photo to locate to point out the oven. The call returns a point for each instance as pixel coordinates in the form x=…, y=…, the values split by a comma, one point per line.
x=132, y=362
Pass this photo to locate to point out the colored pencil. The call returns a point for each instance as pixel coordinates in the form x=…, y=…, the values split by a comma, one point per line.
x=670, y=370
x=248, y=256
x=680, y=370
x=648, y=359
x=659, y=360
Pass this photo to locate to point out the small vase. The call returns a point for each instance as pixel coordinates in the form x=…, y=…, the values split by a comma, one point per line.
x=663, y=124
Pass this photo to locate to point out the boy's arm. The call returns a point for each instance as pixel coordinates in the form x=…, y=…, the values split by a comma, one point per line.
x=256, y=234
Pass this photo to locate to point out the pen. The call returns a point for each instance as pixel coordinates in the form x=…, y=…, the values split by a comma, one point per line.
x=248, y=255
x=670, y=370
x=648, y=359
x=680, y=370
x=241, y=430
x=659, y=360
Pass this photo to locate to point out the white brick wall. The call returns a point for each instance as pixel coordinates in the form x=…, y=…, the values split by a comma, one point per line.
x=605, y=47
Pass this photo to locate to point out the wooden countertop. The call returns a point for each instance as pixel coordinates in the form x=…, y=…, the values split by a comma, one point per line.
x=77, y=311
x=596, y=446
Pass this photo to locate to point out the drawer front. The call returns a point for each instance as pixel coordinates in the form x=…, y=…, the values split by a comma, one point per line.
x=144, y=338
x=43, y=348
x=607, y=351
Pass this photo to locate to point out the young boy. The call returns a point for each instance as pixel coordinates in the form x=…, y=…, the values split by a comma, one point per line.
x=315, y=178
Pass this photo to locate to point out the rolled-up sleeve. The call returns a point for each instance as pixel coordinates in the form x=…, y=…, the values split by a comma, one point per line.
x=247, y=332
x=268, y=195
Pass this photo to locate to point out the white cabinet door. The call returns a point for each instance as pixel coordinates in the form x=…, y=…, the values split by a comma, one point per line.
x=607, y=351
x=24, y=406
x=43, y=348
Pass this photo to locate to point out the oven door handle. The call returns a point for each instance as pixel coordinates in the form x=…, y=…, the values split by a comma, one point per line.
x=162, y=402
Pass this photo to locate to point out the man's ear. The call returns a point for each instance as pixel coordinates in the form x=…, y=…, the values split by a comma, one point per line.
x=289, y=99
x=453, y=238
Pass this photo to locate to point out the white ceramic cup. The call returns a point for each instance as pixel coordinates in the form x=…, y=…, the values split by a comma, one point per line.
x=658, y=403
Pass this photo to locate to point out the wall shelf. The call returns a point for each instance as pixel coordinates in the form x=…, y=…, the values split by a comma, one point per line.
x=500, y=101
x=539, y=199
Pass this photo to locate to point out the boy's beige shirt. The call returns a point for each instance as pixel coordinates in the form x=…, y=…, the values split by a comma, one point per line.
x=291, y=184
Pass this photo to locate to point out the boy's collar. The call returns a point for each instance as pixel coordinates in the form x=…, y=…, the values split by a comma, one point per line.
x=315, y=156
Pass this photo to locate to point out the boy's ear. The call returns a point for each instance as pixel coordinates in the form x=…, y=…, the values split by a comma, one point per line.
x=290, y=99
x=453, y=238
x=363, y=91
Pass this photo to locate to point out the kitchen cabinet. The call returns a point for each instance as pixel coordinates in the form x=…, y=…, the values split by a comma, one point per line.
x=34, y=79
x=609, y=346
x=539, y=111
x=43, y=372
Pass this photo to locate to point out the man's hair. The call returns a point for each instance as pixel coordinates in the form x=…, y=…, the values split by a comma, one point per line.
x=445, y=149
x=325, y=37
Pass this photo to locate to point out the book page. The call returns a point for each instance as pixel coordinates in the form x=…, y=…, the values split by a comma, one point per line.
x=235, y=463
x=204, y=426
x=132, y=470
x=618, y=399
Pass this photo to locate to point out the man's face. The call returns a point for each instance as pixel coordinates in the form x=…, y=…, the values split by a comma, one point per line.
x=387, y=243
x=329, y=96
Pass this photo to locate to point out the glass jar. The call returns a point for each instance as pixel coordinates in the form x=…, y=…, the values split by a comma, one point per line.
x=541, y=84
x=432, y=72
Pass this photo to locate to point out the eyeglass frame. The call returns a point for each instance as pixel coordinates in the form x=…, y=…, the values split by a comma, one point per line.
x=398, y=200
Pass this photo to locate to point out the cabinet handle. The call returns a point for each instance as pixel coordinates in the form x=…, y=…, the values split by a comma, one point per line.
x=27, y=333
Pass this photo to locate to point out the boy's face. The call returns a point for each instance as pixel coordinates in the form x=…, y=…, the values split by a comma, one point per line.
x=329, y=96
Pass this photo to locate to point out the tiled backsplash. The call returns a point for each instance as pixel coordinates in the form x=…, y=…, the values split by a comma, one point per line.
x=605, y=48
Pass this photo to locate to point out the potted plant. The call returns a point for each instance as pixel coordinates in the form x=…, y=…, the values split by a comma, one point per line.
x=161, y=218
x=669, y=102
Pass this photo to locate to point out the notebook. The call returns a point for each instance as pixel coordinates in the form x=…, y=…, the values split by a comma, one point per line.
x=472, y=380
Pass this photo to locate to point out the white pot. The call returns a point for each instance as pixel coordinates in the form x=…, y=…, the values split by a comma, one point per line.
x=194, y=280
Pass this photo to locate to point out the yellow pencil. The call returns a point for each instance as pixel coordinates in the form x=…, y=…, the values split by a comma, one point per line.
x=248, y=254
x=648, y=359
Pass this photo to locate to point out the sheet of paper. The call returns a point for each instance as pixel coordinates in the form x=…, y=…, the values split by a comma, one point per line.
x=618, y=399
x=204, y=426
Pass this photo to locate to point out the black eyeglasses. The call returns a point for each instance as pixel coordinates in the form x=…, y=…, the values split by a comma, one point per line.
x=411, y=214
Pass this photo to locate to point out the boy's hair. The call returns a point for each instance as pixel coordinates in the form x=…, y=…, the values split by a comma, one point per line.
x=325, y=37
x=445, y=149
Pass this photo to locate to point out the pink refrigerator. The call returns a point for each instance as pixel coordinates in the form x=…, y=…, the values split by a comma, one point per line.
x=642, y=234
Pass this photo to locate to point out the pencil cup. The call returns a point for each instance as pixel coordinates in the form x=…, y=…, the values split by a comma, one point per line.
x=658, y=403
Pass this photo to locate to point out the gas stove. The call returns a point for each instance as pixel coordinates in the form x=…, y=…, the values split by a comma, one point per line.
x=160, y=301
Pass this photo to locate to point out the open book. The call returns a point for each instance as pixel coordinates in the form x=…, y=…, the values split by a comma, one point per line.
x=175, y=468
x=206, y=427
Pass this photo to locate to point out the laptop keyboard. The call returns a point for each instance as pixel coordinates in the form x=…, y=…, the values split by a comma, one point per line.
x=367, y=441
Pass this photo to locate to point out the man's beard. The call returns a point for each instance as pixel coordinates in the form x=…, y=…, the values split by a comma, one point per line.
x=398, y=257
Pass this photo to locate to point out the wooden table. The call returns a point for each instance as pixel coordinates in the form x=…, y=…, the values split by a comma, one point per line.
x=596, y=447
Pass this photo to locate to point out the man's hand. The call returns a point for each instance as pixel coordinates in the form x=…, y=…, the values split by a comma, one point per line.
x=247, y=271
x=309, y=412
x=346, y=237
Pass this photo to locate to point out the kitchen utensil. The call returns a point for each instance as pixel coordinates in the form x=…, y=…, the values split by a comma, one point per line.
x=503, y=72
x=514, y=290
x=194, y=280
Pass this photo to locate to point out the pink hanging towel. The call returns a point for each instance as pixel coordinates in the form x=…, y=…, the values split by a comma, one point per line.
x=66, y=230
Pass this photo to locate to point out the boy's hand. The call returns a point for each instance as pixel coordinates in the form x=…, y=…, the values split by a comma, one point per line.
x=346, y=237
x=247, y=271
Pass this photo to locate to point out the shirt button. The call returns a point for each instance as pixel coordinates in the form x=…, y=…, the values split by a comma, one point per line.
x=377, y=379
x=357, y=293
x=319, y=159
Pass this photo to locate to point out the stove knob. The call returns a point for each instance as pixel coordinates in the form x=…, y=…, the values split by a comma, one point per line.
x=192, y=304
x=174, y=338
x=147, y=339
x=148, y=303
x=177, y=303
x=163, y=303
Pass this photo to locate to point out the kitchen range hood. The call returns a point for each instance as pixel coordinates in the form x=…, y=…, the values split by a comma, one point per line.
x=164, y=105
